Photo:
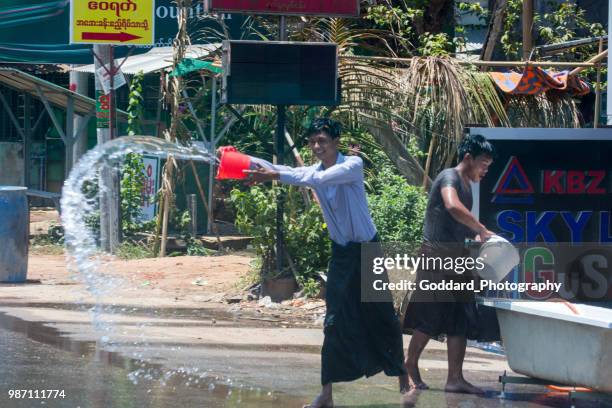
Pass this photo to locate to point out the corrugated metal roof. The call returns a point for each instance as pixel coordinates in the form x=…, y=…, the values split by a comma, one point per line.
x=157, y=59
x=57, y=96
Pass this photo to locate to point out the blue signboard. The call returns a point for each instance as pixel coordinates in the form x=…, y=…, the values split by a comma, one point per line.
x=37, y=31
x=549, y=189
x=549, y=192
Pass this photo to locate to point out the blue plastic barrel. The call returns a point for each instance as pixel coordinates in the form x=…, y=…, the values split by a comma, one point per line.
x=14, y=226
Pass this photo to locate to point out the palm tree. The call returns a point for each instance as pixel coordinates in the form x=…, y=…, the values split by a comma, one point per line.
x=417, y=104
x=427, y=103
x=442, y=97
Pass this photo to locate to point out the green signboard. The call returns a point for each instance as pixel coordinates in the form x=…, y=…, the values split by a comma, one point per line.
x=37, y=31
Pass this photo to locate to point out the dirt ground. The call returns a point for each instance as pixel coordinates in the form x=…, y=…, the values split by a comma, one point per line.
x=217, y=282
x=214, y=282
x=41, y=219
x=184, y=274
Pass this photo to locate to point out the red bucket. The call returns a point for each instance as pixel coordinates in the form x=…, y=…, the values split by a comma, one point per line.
x=232, y=165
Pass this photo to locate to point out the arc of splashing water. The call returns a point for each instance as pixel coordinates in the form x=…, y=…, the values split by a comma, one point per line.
x=82, y=252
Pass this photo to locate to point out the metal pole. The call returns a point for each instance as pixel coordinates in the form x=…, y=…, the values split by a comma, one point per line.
x=597, y=112
x=213, y=148
x=527, y=28
x=102, y=58
x=27, y=137
x=279, y=149
x=69, y=137
x=78, y=83
x=283, y=28
x=113, y=105
x=114, y=203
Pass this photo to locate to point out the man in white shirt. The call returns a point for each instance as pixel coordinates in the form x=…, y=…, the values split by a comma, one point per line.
x=361, y=338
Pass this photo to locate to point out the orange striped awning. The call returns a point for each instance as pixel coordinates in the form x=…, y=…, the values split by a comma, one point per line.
x=535, y=80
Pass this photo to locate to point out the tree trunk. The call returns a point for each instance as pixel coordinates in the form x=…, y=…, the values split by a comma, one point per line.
x=437, y=15
x=496, y=26
x=174, y=88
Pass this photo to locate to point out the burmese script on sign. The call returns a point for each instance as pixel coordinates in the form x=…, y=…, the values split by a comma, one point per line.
x=112, y=22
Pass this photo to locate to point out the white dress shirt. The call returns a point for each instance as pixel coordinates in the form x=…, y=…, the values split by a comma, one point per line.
x=341, y=193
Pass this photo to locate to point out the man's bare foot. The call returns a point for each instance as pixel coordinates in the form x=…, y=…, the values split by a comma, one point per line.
x=409, y=399
x=322, y=401
x=414, y=377
x=463, y=387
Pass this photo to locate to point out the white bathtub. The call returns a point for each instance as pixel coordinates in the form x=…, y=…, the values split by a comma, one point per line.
x=547, y=340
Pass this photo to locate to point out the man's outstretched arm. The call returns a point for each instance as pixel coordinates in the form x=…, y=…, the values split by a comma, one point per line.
x=348, y=171
x=262, y=170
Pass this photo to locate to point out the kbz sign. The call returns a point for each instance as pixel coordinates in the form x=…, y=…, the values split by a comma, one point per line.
x=514, y=186
x=549, y=185
x=549, y=191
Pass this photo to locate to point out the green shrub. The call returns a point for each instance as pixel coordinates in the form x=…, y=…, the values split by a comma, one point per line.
x=134, y=250
x=306, y=239
x=255, y=216
x=311, y=287
x=182, y=222
x=132, y=184
x=51, y=243
x=132, y=169
x=398, y=209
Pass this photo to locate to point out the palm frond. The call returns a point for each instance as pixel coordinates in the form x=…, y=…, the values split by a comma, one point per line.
x=551, y=109
x=441, y=98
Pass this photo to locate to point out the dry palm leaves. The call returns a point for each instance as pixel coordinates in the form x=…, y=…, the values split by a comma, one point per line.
x=442, y=97
x=551, y=109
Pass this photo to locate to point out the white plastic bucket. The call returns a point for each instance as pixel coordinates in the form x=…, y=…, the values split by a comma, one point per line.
x=499, y=257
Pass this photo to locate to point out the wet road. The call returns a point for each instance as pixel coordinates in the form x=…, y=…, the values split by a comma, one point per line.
x=37, y=357
x=91, y=380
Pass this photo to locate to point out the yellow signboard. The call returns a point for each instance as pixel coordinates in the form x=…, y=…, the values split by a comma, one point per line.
x=122, y=22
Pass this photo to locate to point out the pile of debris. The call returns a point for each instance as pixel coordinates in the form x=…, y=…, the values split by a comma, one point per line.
x=299, y=311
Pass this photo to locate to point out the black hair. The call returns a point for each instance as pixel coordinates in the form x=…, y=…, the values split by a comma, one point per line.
x=329, y=126
x=475, y=145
